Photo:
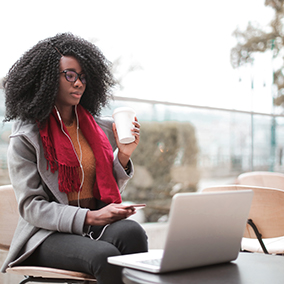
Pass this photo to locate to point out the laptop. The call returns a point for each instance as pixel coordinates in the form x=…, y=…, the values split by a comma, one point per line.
x=203, y=229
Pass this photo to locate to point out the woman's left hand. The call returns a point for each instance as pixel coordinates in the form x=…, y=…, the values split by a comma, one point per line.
x=126, y=150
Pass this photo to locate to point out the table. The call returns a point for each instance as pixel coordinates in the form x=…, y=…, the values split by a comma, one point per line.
x=248, y=268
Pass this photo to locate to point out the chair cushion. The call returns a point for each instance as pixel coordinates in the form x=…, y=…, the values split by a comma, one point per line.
x=46, y=272
x=273, y=245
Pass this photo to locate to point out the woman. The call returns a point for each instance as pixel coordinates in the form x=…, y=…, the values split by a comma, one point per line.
x=61, y=163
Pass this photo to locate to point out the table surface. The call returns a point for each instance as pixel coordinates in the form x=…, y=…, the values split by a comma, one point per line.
x=248, y=268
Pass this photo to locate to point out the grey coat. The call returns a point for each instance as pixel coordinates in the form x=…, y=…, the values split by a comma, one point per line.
x=43, y=208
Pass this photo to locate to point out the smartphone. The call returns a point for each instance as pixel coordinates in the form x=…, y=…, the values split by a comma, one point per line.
x=136, y=206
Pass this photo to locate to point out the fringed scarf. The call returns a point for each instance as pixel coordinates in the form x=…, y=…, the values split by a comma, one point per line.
x=60, y=156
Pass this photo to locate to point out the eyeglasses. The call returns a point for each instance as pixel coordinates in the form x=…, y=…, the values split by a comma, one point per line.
x=72, y=76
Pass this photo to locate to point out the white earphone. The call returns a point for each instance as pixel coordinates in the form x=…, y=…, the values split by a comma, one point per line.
x=79, y=159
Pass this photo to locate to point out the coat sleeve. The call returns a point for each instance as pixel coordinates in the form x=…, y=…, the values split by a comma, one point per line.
x=35, y=204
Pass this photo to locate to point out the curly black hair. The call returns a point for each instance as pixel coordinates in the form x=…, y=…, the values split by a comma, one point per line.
x=32, y=82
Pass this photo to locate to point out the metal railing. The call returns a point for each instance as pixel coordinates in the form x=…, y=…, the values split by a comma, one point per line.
x=229, y=140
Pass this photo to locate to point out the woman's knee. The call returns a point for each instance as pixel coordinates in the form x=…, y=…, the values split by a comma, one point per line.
x=134, y=229
x=128, y=236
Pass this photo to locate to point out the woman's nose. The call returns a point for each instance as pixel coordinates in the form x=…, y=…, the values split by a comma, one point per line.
x=78, y=83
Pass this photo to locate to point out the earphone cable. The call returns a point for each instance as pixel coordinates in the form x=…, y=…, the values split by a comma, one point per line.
x=79, y=160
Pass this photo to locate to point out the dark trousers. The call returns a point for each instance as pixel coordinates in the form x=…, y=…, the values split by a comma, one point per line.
x=82, y=254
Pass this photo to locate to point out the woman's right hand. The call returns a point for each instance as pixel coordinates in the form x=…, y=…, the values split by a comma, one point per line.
x=109, y=214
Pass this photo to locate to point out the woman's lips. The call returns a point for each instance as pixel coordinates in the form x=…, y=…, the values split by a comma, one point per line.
x=76, y=94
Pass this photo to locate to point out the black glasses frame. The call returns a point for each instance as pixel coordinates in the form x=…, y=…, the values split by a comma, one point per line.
x=76, y=77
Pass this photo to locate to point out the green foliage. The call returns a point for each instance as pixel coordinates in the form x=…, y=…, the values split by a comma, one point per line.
x=165, y=163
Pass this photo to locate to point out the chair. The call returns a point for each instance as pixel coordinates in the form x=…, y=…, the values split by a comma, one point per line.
x=265, y=179
x=9, y=216
x=266, y=213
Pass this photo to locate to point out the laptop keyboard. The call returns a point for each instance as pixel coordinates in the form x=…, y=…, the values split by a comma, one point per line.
x=155, y=262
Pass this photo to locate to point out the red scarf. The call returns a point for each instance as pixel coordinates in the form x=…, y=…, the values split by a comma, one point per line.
x=60, y=156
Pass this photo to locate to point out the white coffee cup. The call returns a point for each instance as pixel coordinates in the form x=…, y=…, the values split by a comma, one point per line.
x=123, y=118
